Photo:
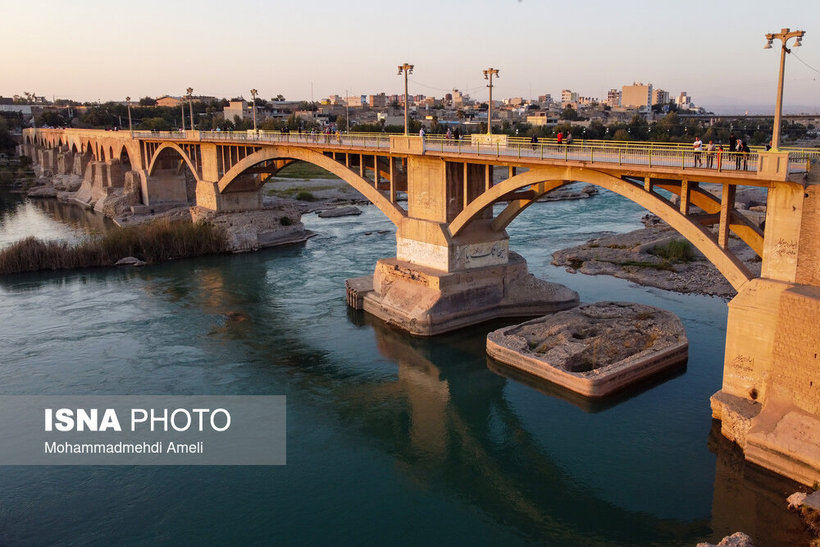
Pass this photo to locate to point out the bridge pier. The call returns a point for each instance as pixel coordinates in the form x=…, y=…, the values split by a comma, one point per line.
x=209, y=197
x=769, y=403
x=437, y=282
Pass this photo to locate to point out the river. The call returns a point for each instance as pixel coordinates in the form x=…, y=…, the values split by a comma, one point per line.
x=391, y=439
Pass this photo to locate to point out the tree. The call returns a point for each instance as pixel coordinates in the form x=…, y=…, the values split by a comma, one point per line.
x=155, y=124
x=569, y=113
x=622, y=135
x=50, y=118
x=6, y=140
x=638, y=127
x=148, y=101
x=279, y=97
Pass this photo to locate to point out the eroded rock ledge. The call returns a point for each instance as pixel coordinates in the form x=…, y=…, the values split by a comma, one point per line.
x=594, y=349
x=634, y=256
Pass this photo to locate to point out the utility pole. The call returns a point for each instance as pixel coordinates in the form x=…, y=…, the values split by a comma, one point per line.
x=190, y=91
x=407, y=69
x=784, y=36
x=130, y=127
x=488, y=75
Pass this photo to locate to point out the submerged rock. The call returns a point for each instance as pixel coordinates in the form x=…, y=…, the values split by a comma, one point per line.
x=129, y=261
x=594, y=349
x=339, y=212
x=738, y=539
x=638, y=257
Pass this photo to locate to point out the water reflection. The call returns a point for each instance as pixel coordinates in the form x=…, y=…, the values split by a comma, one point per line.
x=75, y=216
x=448, y=423
x=751, y=499
x=587, y=404
x=46, y=219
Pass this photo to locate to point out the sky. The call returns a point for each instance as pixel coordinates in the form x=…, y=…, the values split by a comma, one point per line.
x=92, y=50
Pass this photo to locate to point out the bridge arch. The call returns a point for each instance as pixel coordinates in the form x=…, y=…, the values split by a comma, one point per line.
x=161, y=151
x=171, y=177
x=391, y=210
x=547, y=178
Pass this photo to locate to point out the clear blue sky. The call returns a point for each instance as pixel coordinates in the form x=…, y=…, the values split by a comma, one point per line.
x=94, y=49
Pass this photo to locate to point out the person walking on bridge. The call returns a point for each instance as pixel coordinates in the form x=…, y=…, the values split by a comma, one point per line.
x=710, y=155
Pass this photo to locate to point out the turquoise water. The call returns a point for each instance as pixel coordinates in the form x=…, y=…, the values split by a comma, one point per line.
x=391, y=439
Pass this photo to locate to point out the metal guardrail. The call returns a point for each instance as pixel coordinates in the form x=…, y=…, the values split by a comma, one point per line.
x=598, y=153
x=363, y=140
x=651, y=154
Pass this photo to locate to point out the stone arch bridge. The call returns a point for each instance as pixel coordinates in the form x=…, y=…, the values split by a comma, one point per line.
x=453, y=265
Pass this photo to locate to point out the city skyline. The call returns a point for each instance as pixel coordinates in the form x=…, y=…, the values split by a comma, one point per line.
x=161, y=49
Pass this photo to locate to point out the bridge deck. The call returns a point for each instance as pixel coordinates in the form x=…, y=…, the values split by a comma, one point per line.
x=638, y=159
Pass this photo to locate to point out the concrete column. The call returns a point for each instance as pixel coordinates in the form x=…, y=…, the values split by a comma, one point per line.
x=770, y=399
x=727, y=204
x=784, y=216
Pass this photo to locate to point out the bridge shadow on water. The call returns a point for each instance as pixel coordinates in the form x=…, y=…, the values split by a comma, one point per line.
x=458, y=429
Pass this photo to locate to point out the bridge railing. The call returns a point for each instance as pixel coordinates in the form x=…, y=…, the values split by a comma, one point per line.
x=363, y=140
x=600, y=153
x=652, y=154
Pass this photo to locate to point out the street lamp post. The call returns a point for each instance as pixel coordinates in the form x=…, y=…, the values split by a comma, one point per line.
x=347, y=112
x=130, y=127
x=784, y=36
x=190, y=91
x=253, y=94
x=407, y=69
x=488, y=75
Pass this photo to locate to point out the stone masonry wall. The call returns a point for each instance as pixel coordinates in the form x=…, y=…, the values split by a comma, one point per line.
x=808, y=261
x=796, y=363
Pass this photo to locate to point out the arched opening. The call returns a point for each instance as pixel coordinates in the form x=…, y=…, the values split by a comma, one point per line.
x=243, y=176
x=171, y=182
x=539, y=181
x=125, y=159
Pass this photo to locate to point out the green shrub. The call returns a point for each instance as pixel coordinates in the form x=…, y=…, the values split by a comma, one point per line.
x=285, y=221
x=305, y=196
x=678, y=250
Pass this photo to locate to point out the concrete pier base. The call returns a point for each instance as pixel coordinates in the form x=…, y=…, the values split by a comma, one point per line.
x=424, y=301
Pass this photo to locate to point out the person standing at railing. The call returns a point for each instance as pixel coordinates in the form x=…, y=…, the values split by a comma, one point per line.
x=738, y=150
x=710, y=155
x=534, y=141
x=559, y=138
x=744, y=153
x=569, y=137
x=697, y=146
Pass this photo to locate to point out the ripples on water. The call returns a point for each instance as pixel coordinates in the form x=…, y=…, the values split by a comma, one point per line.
x=391, y=438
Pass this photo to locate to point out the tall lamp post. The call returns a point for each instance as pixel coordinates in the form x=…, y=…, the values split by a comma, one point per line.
x=190, y=91
x=253, y=94
x=784, y=36
x=407, y=69
x=347, y=111
x=130, y=127
x=488, y=75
